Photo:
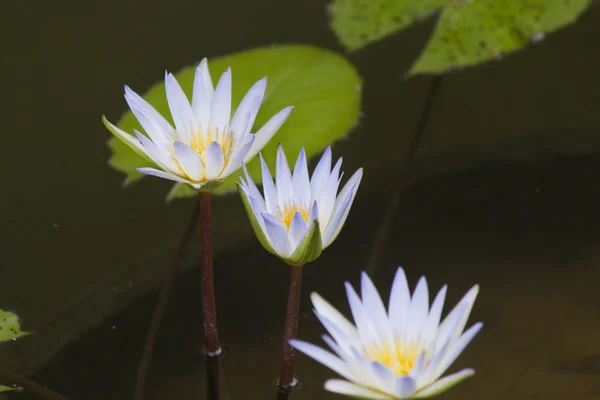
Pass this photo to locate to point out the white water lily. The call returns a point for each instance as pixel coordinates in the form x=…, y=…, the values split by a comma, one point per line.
x=400, y=353
x=205, y=146
x=299, y=217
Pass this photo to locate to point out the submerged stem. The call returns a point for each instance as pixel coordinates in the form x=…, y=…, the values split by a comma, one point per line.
x=29, y=385
x=161, y=305
x=286, y=378
x=209, y=309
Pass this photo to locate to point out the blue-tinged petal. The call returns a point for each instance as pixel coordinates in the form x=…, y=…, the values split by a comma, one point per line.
x=221, y=105
x=264, y=134
x=361, y=319
x=419, y=309
x=237, y=157
x=374, y=307
x=300, y=181
x=329, y=341
x=429, y=332
x=253, y=207
x=418, y=366
x=251, y=187
x=202, y=95
x=162, y=174
x=283, y=180
x=324, y=357
x=163, y=160
x=329, y=312
x=320, y=174
x=342, y=207
x=399, y=303
x=157, y=128
x=455, y=321
x=314, y=213
x=277, y=234
x=189, y=161
x=269, y=189
x=430, y=372
x=405, y=387
x=327, y=196
x=385, y=377
x=350, y=389
x=180, y=107
x=455, y=350
x=298, y=228
x=214, y=161
x=249, y=106
x=346, y=341
x=444, y=384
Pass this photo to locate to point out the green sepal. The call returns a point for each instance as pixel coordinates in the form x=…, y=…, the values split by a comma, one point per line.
x=309, y=248
x=126, y=142
x=262, y=237
x=6, y=388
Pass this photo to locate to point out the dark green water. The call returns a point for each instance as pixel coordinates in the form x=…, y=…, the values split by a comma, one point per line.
x=76, y=246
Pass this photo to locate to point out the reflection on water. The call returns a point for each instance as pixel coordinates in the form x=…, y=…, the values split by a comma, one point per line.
x=529, y=235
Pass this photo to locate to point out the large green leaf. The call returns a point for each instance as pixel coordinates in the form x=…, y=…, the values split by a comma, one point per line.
x=323, y=86
x=467, y=32
x=10, y=328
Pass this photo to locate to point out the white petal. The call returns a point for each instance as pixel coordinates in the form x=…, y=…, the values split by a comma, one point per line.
x=334, y=346
x=324, y=357
x=445, y=383
x=249, y=105
x=236, y=159
x=300, y=181
x=314, y=214
x=418, y=366
x=251, y=187
x=344, y=340
x=328, y=311
x=189, y=161
x=342, y=207
x=405, y=387
x=202, y=95
x=327, y=196
x=221, y=105
x=455, y=350
x=258, y=209
x=153, y=123
x=264, y=134
x=277, y=235
x=350, y=389
x=320, y=174
x=268, y=187
x=283, y=180
x=419, y=309
x=399, y=302
x=214, y=161
x=162, y=174
x=298, y=228
x=385, y=377
x=374, y=307
x=180, y=107
x=433, y=319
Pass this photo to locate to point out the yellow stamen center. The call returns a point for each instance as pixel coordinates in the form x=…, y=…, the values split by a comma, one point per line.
x=286, y=214
x=400, y=360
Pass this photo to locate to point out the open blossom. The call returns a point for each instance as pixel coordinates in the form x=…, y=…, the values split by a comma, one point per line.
x=298, y=217
x=206, y=145
x=400, y=353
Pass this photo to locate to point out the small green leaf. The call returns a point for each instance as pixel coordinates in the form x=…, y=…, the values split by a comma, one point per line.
x=322, y=85
x=10, y=328
x=262, y=238
x=6, y=388
x=309, y=248
x=468, y=32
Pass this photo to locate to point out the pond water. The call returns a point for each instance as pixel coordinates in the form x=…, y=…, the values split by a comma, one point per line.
x=83, y=257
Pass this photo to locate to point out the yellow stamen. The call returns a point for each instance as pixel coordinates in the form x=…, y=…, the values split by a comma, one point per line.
x=287, y=214
x=400, y=360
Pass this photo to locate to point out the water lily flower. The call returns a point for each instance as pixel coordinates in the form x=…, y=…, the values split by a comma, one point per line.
x=205, y=146
x=400, y=353
x=299, y=217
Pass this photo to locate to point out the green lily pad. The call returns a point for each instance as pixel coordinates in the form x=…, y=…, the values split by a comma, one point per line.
x=467, y=32
x=10, y=328
x=322, y=85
